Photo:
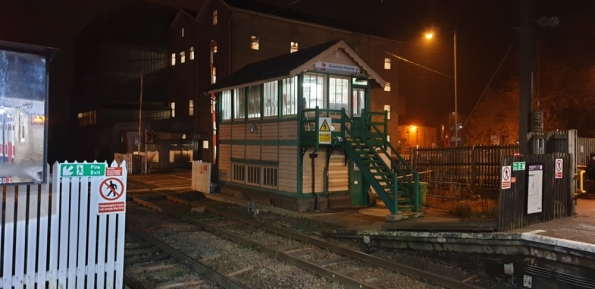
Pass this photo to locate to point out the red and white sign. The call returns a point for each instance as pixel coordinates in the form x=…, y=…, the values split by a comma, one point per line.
x=113, y=172
x=559, y=169
x=506, y=177
x=112, y=196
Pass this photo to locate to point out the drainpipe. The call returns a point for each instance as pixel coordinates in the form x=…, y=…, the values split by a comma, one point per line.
x=313, y=156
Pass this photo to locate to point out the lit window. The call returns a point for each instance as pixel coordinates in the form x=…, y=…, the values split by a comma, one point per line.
x=173, y=59
x=214, y=46
x=182, y=57
x=191, y=56
x=214, y=17
x=182, y=32
x=271, y=98
x=254, y=101
x=387, y=63
x=191, y=107
x=293, y=47
x=239, y=104
x=214, y=75
x=254, y=45
x=172, y=105
x=387, y=86
x=290, y=92
x=226, y=105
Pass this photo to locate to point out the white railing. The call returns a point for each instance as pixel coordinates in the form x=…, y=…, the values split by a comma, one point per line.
x=65, y=234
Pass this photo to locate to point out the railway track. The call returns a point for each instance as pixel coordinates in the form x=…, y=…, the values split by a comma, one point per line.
x=337, y=264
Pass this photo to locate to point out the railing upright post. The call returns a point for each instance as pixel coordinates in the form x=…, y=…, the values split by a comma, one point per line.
x=395, y=194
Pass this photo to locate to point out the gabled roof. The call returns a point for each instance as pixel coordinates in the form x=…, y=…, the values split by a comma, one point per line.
x=289, y=65
x=183, y=13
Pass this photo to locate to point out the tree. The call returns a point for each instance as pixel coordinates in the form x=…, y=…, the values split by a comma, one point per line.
x=496, y=114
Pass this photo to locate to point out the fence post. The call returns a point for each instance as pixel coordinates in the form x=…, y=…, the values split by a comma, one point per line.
x=572, y=139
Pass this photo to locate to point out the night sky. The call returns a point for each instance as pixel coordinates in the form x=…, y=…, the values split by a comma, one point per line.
x=486, y=30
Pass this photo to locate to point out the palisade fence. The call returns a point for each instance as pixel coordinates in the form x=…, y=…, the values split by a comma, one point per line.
x=475, y=166
x=521, y=202
x=56, y=235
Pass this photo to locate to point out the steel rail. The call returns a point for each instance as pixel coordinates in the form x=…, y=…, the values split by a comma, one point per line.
x=186, y=260
x=393, y=266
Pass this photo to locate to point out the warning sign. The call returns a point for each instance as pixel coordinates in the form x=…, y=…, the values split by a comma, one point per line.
x=112, y=196
x=506, y=177
x=559, y=170
x=110, y=172
x=324, y=131
x=324, y=126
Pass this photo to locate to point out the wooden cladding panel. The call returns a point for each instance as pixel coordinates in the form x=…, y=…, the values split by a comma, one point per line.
x=338, y=173
x=288, y=168
x=238, y=151
x=270, y=131
x=225, y=162
x=238, y=131
x=319, y=163
x=288, y=130
x=253, y=152
x=270, y=153
x=224, y=131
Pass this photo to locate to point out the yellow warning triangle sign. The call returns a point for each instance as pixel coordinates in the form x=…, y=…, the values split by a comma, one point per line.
x=324, y=126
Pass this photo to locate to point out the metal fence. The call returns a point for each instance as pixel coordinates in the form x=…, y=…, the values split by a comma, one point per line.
x=539, y=192
x=476, y=166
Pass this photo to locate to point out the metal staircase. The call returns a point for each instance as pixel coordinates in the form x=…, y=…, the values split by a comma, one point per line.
x=394, y=181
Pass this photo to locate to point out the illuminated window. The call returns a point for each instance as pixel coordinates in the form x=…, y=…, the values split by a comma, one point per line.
x=271, y=97
x=387, y=86
x=226, y=105
x=214, y=75
x=214, y=17
x=239, y=104
x=173, y=59
x=191, y=107
x=182, y=32
x=191, y=56
x=254, y=101
x=313, y=91
x=172, y=106
x=290, y=92
x=293, y=47
x=182, y=57
x=214, y=46
x=338, y=93
x=387, y=63
x=254, y=44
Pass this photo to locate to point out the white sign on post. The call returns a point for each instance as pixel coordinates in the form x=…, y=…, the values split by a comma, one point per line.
x=559, y=169
x=506, y=177
x=535, y=189
x=111, y=195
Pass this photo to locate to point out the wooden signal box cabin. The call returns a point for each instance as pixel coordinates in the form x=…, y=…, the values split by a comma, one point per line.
x=295, y=132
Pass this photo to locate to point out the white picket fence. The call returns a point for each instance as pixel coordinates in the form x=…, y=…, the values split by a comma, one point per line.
x=54, y=236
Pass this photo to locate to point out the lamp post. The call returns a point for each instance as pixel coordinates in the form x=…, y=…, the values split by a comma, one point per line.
x=430, y=35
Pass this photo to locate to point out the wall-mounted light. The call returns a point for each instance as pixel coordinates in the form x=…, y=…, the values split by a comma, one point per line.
x=253, y=128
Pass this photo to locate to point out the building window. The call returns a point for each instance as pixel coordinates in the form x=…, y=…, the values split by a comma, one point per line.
x=338, y=93
x=387, y=63
x=214, y=46
x=226, y=105
x=239, y=104
x=214, y=75
x=293, y=47
x=182, y=32
x=271, y=99
x=214, y=17
x=254, y=101
x=253, y=175
x=290, y=93
x=191, y=56
x=173, y=59
x=387, y=86
x=238, y=173
x=313, y=91
x=172, y=106
x=182, y=57
x=254, y=44
x=269, y=177
x=191, y=107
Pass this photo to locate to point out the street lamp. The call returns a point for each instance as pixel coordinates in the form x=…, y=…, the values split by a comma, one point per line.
x=430, y=35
